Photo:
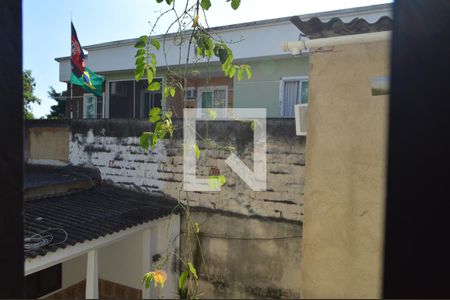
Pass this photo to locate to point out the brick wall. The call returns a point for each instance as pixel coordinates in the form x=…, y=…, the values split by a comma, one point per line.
x=113, y=147
x=106, y=289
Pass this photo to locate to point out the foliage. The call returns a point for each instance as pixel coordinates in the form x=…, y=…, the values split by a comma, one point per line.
x=206, y=45
x=29, y=85
x=57, y=111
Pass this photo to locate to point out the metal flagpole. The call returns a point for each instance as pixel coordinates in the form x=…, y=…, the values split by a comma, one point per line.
x=71, y=101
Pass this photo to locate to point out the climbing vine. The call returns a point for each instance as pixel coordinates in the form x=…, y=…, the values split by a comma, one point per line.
x=203, y=45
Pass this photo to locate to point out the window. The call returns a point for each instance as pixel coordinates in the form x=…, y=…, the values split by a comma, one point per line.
x=293, y=90
x=190, y=93
x=213, y=97
x=121, y=99
x=92, y=106
x=145, y=99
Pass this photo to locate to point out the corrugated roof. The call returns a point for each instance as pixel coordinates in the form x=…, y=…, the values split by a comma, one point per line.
x=89, y=214
x=314, y=28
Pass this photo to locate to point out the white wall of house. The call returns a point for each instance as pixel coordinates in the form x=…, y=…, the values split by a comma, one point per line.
x=257, y=40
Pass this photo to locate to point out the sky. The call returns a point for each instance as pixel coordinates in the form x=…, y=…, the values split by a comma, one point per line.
x=46, y=27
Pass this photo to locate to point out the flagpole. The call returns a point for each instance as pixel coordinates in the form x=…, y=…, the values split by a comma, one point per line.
x=71, y=85
x=71, y=100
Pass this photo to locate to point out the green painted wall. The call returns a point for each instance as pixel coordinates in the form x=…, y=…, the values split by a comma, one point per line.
x=260, y=91
x=263, y=89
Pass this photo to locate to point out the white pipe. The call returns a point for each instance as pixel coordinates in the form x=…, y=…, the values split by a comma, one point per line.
x=296, y=47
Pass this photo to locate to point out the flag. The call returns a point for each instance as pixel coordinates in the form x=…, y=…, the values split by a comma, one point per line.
x=77, y=56
x=90, y=81
x=81, y=75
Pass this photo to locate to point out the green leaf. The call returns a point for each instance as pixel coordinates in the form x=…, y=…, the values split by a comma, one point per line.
x=169, y=1
x=148, y=279
x=140, y=52
x=143, y=140
x=222, y=179
x=139, y=60
x=235, y=4
x=205, y=4
x=168, y=115
x=199, y=51
x=182, y=279
x=192, y=270
x=155, y=111
x=197, y=151
x=141, y=42
x=216, y=181
x=166, y=92
x=138, y=73
x=249, y=72
x=153, y=56
x=149, y=75
x=154, y=86
x=240, y=74
x=223, y=55
x=154, y=140
x=213, y=182
x=155, y=43
x=231, y=71
x=212, y=114
x=159, y=1
x=154, y=118
x=172, y=92
x=197, y=227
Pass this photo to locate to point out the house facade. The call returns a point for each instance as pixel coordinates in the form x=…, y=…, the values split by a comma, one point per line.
x=279, y=80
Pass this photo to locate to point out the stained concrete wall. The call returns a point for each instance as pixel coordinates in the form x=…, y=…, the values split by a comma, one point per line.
x=251, y=240
x=246, y=257
x=113, y=147
x=47, y=143
x=345, y=173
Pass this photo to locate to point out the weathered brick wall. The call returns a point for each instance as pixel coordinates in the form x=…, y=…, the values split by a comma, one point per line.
x=113, y=147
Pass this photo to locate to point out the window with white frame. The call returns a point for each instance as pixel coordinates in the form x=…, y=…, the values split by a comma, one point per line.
x=293, y=90
x=92, y=106
x=89, y=106
x=212, y=97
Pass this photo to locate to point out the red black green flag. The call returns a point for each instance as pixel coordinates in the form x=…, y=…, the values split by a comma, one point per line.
x=77, y=58
x=81, y=75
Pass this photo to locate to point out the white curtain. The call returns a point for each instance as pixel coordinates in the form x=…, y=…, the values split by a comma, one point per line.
x=290, y=97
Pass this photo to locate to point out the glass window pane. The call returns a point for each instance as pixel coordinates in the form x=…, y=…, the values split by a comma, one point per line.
x=207, y=100
x=121, y=99
x=304, y=95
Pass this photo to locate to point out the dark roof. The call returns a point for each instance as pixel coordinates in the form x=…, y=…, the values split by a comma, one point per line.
x=87, y=213
x=314, y=28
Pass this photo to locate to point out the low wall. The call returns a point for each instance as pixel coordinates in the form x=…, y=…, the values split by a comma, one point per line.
x=113, y=147
x=246, y=258
x=47, y=142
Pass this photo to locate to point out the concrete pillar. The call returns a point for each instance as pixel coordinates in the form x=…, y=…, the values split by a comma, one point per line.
x=92, y=275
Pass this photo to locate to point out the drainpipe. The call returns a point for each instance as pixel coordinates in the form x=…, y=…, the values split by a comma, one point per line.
x=296, y=47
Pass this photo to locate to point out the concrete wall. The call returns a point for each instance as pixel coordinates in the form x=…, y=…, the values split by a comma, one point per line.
x=251, y=240
x=246, y=257
x=344, y=191
x=113, y=147
x=47, y=144
x=263, y=90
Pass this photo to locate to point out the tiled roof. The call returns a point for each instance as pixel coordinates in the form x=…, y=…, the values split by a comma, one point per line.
x=314, y=28
x=89, y=214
